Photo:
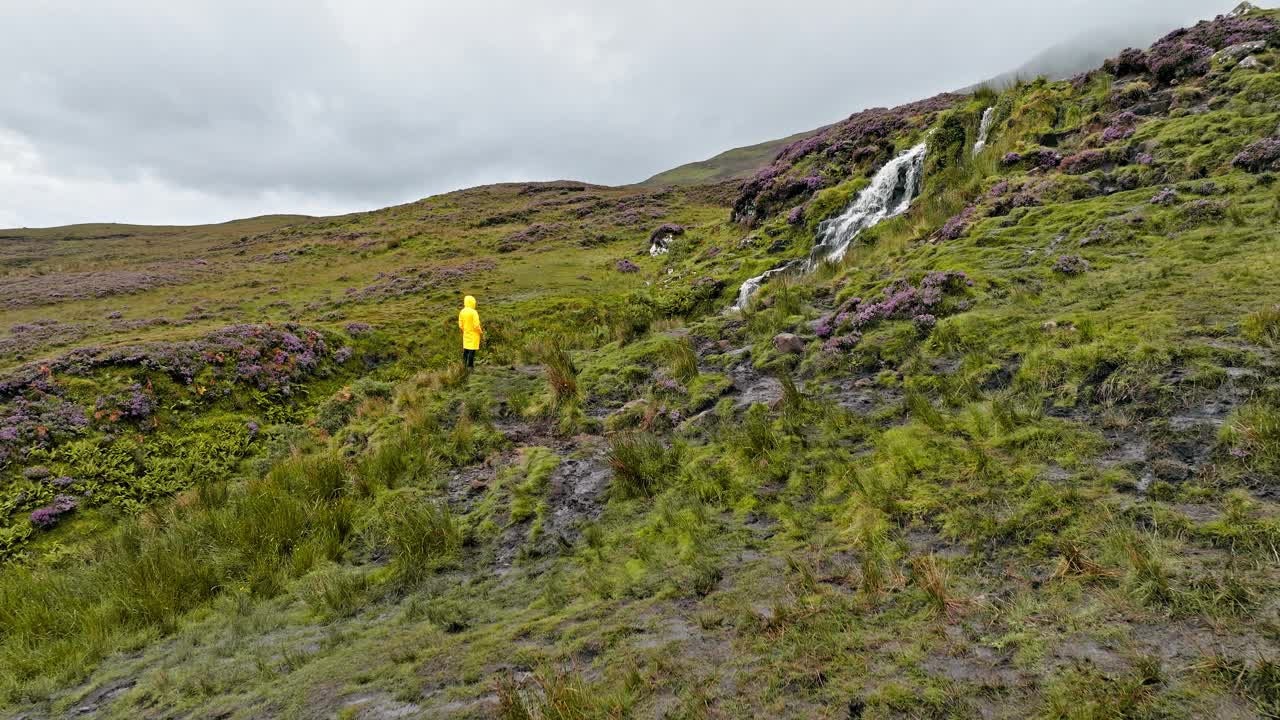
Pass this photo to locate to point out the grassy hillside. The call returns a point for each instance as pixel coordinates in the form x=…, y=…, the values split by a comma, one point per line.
x=734, y=164
x=1014, y=456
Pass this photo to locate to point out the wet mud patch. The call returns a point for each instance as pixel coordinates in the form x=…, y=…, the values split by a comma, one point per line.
x=101, y=698
x=378, y=706
x=862, y=396
x=577, y=492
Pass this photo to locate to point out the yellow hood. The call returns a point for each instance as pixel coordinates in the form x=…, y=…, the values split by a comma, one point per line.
x=469, y=301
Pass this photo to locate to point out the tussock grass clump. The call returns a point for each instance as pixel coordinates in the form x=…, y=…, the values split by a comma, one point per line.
x=933, y=577
x=562, y=374
x=641, y=464
x=422, y=535
x=335, y=592
x=1147, y=577
x=1257, y=679
x=1263, y=326
x=558, y=695
x=681, y=360
x=1074, y=562
x=756, y=436
x=1252, y=436
x=403, y=459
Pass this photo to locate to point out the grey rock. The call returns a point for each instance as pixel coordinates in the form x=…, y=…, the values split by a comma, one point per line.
x=1239, y=50
x=788, y=343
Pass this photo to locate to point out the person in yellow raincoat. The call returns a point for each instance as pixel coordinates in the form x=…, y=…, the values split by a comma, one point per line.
x=469, y=324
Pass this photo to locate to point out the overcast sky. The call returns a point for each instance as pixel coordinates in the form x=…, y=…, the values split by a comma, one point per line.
x=184, y=111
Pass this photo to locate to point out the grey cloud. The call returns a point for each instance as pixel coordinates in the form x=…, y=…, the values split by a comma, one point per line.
x=346, y=105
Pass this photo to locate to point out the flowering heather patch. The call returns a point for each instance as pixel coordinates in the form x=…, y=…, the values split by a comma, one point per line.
x=356, y=329
x=37, y=422
x=803, y=147
x=31, y=290
x=1203, y=212
x=925, y=321
x=414, y=281
x=1223, y=31
x=1187, y=52
x=1070, y=265
x=1114, y=134
x=1144, y=159
x=901, y=300
x=1130, y=62
x=1084, y=161
x=843, y=343
x=47, y=517
x=626, y=266
x=669, y=386
x=1005, y=198
x=535, y=233
x=1125, y=119
x=1167, y=196
x=958, y=225
x=1122, y=127
x=135, y=403
x=36, y=473
x=27, y=338
x=1261, y=156
x=268, y=357
x=1174, y=60
x=343, y=354
x=1044, y=158
x=796, y=216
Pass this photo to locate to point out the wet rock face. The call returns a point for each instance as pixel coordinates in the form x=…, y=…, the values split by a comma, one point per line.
x=788, y=343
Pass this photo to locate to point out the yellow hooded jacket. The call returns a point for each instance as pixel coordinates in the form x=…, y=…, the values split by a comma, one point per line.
x=469, y=323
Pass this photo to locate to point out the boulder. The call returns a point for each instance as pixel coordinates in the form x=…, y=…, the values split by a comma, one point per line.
x=1239, y=50
x=788, y=343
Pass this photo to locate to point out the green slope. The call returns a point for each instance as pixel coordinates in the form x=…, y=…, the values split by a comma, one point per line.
x=729, y=165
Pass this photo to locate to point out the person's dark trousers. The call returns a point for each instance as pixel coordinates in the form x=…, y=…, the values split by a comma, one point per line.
x=469, y=358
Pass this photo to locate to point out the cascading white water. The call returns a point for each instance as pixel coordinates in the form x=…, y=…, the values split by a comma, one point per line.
x=889, y=195
x=750, y=287
x=984, y=129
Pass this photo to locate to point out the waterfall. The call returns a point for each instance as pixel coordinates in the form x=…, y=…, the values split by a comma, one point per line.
x=889, y=195
x=984, y=129
x=750, y=287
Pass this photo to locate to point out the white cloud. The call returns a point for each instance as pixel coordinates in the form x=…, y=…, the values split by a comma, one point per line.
x=208, y=109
